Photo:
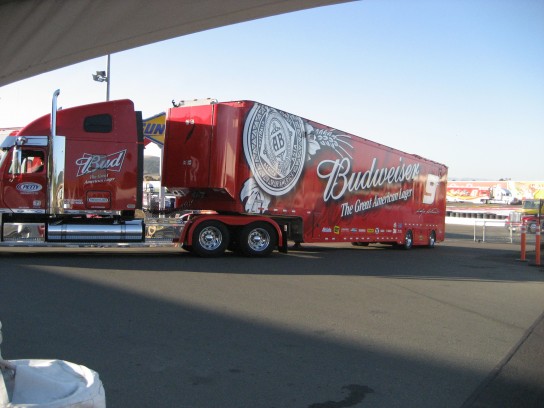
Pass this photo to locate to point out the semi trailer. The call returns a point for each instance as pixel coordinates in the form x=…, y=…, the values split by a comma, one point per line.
x=246, y=177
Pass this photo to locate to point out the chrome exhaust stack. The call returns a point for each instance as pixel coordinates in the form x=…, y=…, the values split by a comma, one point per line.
x=56, y=160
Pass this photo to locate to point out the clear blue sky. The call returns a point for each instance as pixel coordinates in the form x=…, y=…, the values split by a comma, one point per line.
x=457, y=81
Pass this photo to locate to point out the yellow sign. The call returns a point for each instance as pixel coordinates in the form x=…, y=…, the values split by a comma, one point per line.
x=154, y=128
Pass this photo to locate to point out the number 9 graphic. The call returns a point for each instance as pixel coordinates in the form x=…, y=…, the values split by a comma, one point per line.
x=430, y=189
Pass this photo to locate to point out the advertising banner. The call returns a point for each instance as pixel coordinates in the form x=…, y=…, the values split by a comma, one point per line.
x=479, y=191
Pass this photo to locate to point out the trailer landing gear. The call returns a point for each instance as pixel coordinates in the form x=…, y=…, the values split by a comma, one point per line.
x=432, y=239
x=408, y=240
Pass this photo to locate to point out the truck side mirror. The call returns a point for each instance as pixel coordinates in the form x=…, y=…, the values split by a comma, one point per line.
x=17, y=159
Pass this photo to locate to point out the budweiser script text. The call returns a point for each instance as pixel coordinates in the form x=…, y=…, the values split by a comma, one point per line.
x=373, y=202
x=89, y=163
x=340, y=178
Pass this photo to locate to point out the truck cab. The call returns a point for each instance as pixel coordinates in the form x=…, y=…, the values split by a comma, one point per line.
x=530, y=214
x=500, y=195
x=74, y=175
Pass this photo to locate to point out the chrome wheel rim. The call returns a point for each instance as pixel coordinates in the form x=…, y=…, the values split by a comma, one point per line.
x=210, y=238
x=258, y=239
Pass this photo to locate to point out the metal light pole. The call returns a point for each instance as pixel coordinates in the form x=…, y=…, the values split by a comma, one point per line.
x=108, y=80
x=104, y=76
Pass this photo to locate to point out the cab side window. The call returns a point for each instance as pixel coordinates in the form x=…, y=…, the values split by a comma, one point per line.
x=32, y=162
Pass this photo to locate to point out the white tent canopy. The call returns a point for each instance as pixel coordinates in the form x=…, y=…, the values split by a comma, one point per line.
x=42, y=35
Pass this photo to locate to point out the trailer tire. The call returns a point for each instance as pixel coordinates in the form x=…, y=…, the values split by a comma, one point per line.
x=408, y=240
x=210, y=239
x=432, y=239
x=257, y=239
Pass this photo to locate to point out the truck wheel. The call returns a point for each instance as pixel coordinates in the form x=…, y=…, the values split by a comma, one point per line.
x=257, y=239
x=432, y=239
x=531, y=228
x=408, y=240
x=210, y=238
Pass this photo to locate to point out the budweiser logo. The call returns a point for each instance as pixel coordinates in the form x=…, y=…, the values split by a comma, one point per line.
x=89, y=163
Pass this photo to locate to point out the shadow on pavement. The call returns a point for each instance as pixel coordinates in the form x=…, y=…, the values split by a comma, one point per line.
x=155, y=352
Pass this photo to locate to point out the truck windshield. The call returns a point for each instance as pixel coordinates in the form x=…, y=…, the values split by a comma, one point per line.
x=530, y=205
x=3, y=154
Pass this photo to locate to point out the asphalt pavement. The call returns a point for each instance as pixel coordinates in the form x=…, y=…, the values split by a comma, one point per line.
x=328, y=326
x=518, y=380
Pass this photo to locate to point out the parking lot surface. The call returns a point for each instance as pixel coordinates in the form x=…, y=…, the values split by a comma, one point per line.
x=326, y=326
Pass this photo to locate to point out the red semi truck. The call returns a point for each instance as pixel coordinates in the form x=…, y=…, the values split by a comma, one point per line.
x=248, y=178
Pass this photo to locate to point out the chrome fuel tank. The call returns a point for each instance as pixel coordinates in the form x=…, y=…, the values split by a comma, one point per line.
x=129, y=231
